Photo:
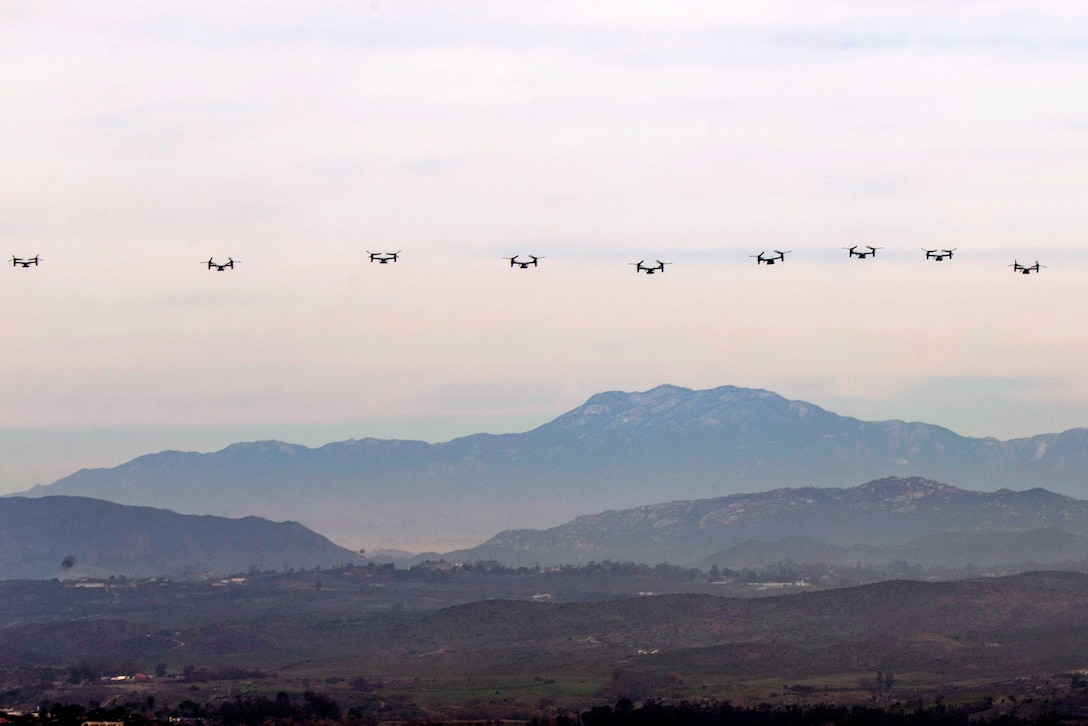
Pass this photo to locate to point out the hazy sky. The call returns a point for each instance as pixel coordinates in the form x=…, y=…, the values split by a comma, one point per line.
x=137, y=139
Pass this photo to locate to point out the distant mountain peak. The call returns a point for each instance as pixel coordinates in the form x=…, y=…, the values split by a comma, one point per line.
x=271, y=446
x=913, y=486
x=669, y=406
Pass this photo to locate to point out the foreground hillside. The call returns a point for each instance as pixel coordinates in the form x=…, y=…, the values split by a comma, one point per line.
x=81, y=537
x=991, y=637
x=915, y=520
x=618, y=450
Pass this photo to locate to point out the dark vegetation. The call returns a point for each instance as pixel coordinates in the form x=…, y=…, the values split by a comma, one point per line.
x=482, y=641
x=320, y=709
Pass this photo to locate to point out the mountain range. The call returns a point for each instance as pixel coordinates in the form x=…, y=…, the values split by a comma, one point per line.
x=618, y=450
x=883, y=523
x=80, y=537
x=910, y=519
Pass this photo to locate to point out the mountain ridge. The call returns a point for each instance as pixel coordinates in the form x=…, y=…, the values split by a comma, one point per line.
x=889, y=512
x=77, y=536
x=616, y=450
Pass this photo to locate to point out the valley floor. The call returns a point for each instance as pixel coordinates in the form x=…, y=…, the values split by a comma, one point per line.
x=489, y=642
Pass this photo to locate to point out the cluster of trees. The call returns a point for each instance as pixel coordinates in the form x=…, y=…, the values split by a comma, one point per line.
x=192, y=674
x=318, y=709
x=440, y=571
x=432, y=568
x=261, y=710
x=624, y=713
x=71, y=714
x=783, y=571
x=880, y=686
x=314, y=708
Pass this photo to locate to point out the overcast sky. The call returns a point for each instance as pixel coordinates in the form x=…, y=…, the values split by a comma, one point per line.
x=138, y=139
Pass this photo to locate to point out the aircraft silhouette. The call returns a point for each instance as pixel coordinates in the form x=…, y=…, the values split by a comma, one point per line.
x=220, y=266
x=25, y=262
x=853, y=251
x=523, y=264
x=383, y=258
x=1025, y=269
x=778, y=256
x=938, y=255
x=649, y=269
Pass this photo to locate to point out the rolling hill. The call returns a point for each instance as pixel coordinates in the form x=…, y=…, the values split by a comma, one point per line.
x=911, y=519
x=76, y=536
